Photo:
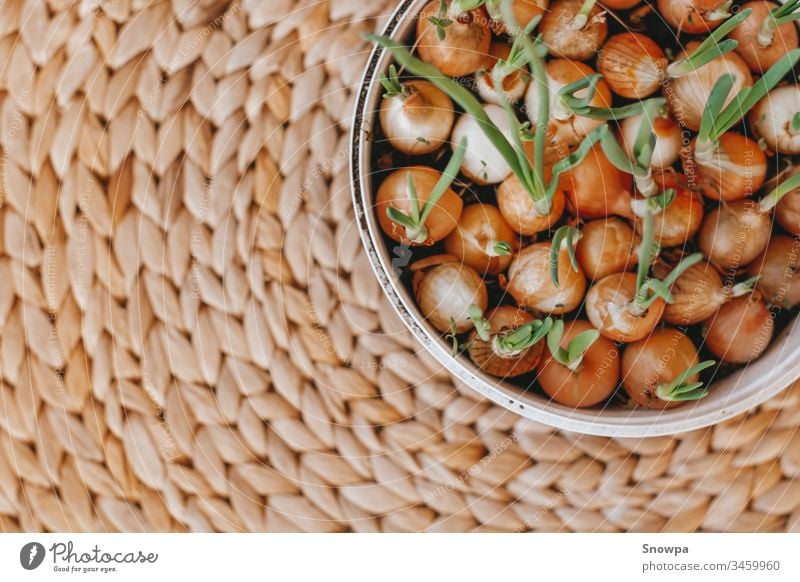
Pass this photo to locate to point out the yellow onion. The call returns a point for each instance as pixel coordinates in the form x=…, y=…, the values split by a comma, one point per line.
x=668, y=144
x=694, y=16
x=566, y=36
x=787, y=212
x=688, y=95
x=772, y=119
x=466, y=41
x=741, y=329
x=524, y=11
x=592, y=381
x=476, y=238
x=445, y=294
x=418, y=121
x=697, y=293
x=531, y=285
x=730, y=170
x=632, y=64
x=679, y=221
x=761, y=50
x=514, y=84
x=595, y=188
x=734, y=234
x=607, y=245
x=483, y=163
x=492, y=358
x=519, y=209
x=655, y=361
x=778, y=270
x=609, y=306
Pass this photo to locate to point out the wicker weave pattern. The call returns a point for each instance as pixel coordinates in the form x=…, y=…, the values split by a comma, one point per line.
x=192, y=339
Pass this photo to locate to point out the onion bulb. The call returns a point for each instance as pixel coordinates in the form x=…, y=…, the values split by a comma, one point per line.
x=483, y=163
x=679, y=221
x=501, y=353
x=514, y=84
x=610, y=308
x=482, y=240
x=733, y=168
x=465, y=43
x=591, y=380
x=668, y=144
x=761, y=44
x=570, y=37
x=445, y=294
x=417, y=119
x=776, y=119
x=595, y=188
x=694, y=16
x=606, y=246
x=519, y=209
x=531, y=285
x=778, y=271
x=734, y=234
x=632, y=64
x=524, y=12
x=787, y=212
x=741, y=329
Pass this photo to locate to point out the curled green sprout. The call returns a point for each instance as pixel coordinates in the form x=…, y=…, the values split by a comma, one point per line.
x=414, y=223
x=711, y=48
x=679, y=390
x=569, y=235
x=581, y=106
x=502, y=248
x=582, y=17
x=771, y=200
x=479, y=322
x=514, y=342
x=391, y=83
x=572, y=355
x=778, y=16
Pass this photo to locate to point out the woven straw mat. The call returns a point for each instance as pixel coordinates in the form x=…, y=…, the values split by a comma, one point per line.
x=193, y=340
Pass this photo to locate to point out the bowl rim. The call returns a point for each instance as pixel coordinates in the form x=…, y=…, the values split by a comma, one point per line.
x=765, y=378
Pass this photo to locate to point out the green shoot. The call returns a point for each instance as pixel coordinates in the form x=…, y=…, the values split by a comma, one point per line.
x=512, y=343
x=480, y=323
x=582, y=107
x=441, y=21
x=582, y=17
x=571, y=236
x=502, y=249
x=452, y=337
x=711, y=48
x=681, y=390
x=796, y=122
x=572, y=355
x=392, y=84
x=744, y=288
x=771, y=200
x=778, y=16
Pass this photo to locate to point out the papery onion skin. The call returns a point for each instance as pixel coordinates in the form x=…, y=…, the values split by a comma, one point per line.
x=465, y=46
x=566, y=40
x=734, y=234
x=687, y=96
x=483, y=163
x=778, y=268
x=787, y=212
x=668, y=139
x=608, y=309
x=519, y=209
x=393, y=193
x=420, y=123
x=530, y=284
x=734, y=169
x=514, y=85
x=681, y=220
x=741, y=329
x=632, y=64
x=595, y=188
x=691, y=16
x=592, y=382
x=447, y=291
x=697, y=293
x=489, y=360
x=481, y=226
x=658, y=359
x=771, y=119
x=607, y=245
x=760, y=58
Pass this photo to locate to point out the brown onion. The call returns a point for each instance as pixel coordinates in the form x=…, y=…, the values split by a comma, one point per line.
x=679, y=221
x=668, y=139
x=697, y=293
x=595, y=188
x=772, y=119
x=609, y=306
x=787, y=212
x=734, y=168
x=445, y=294
x=741, y=330
x=734, y=234
x=519, y=209
x=632, y=64
x=607, y=245
x=761, y=56
x=418, y=121
x=474, y=241
x=778, y=270
x=693, y=16
x=531, y=285
x=489, y=355
x=466, y=42
x=565, y=37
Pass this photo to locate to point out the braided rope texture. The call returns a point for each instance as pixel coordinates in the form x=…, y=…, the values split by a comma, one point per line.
x=193, y=340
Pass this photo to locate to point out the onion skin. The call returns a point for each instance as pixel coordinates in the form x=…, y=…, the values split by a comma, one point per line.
x=659, y=359
x=524, y=11
x=632, y=64
x=741, y=330
x=480, y=227
x=734, y=234
x=393, y=192
x=697, y=293
x=760, y=58
x=687, y=96
x=607, y=245
x=734, y=169
x=607, y=307
x=447, y=291
x=514, y=85
x=519, y=209
x=668, y=139
x=592, y=382
x=566, y=40
x=482, y=164
x=692, y=16
x=489, y=360
x=531, y=286
x=778, y=268
x=465, y=46
x=681, y=220
x=595, y=188
x=787, y=212
x=771, y=119
x=426, y=113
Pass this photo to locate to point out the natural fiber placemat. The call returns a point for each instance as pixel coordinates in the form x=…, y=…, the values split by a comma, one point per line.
x=192, y=338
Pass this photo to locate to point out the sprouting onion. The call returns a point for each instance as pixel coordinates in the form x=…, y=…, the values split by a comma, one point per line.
x=572, y=355
x=569, y=236
x=778, y=16
x=771, y=200
x=441, y=21
x=582, y=17
x=515, y=341
x=680, y=389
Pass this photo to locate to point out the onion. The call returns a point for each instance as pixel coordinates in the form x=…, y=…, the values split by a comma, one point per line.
x=740, y=331
x=734, y=234
x=566, y=36
x=609, y=306
x=679, y=221
x=693, y=16
x=531, y=285
x=445, y=294
x=524, y=12
x=759, y=55
x=734, y=168
x=519, y=209
x=493, y=357
x=607, y=245
x=778, y=270
x=465, y=45
x=787, y=212
x=595, y=188
x=657, y=361
x=697, y=293
x=419, y=119
x=632, y=64
x=592, y=381
x=483, y=163
x=514, y=84
x=668, y=139
x=393, y=193
x=479, y=238
x=688, y=95
x=776, y=119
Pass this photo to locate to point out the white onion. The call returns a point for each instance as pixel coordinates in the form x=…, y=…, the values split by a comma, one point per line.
x=772, y=117
x=668, y=139
x=482, y=162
